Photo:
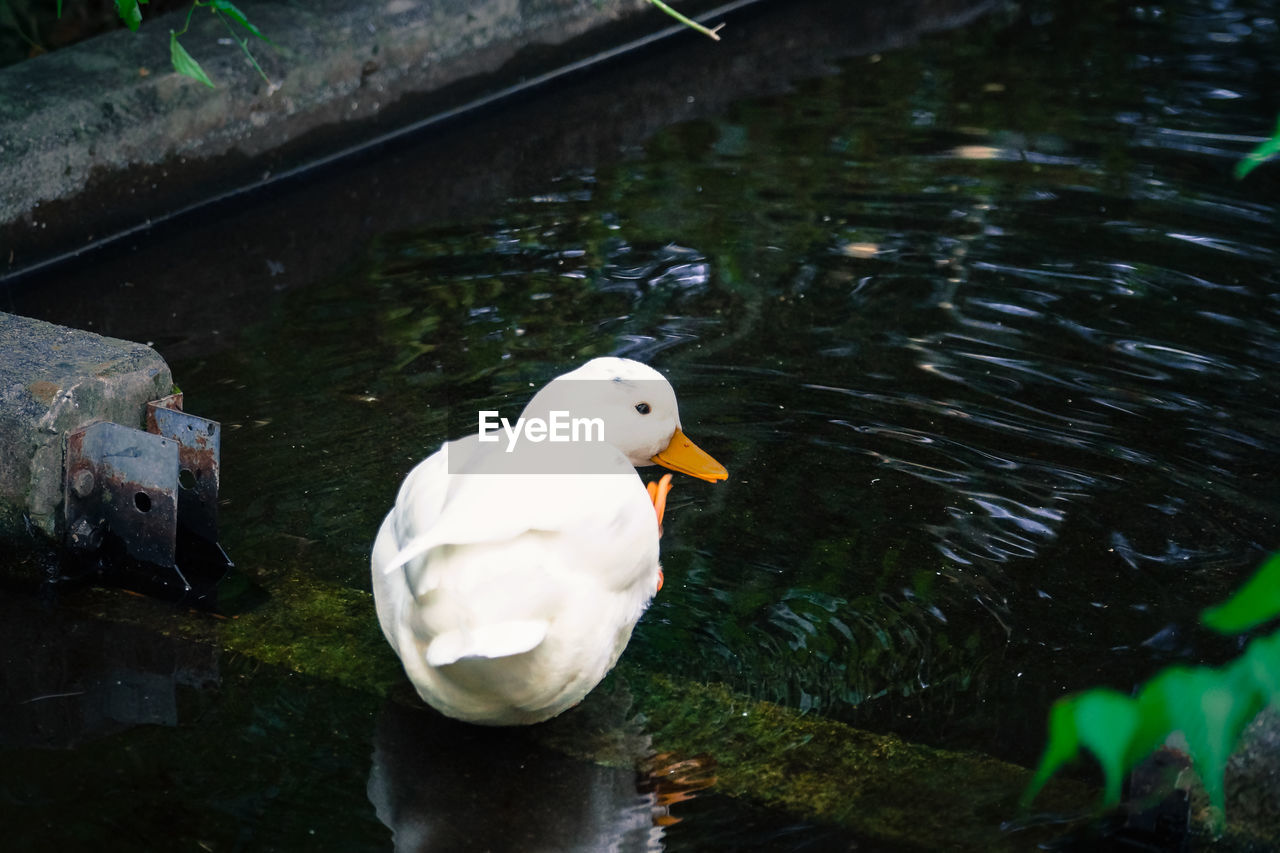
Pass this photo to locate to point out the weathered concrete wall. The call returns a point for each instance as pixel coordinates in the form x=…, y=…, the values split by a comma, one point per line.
x=113, y=104
x=54, y=380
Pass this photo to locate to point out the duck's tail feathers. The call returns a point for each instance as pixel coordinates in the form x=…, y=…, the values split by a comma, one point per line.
x=500, y=640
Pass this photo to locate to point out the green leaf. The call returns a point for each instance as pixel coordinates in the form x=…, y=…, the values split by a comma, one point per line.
x=129, y=13
x=1063, y=745
x=1106, y=721
x=1102, y=720
x=1260, y=665
x=1259, y=155
x=236, y=15
x=1211, y=708
x=184, y=63
x=1256, y=602
x=1154, y=722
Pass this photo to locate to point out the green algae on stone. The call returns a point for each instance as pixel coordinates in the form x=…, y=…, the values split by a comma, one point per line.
x=318, y=629
x=878, y=785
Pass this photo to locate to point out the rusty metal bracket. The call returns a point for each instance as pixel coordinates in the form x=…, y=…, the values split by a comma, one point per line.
x=199, y=462
x=124, y=481
x=139, y=486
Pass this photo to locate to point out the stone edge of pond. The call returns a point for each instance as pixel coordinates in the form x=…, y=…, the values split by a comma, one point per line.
x=102, y=136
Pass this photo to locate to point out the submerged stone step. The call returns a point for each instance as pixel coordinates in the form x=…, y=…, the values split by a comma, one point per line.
x=701, y=738
x=53, y=382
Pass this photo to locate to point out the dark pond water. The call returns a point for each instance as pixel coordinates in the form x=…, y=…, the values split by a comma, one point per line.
x=982, y=327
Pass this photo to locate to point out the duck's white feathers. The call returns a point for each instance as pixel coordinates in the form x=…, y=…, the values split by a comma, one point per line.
x=509, y=596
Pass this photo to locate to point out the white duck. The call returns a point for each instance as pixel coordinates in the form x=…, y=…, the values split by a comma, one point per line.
x=508, y=578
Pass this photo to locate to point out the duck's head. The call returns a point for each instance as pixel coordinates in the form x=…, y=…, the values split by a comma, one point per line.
x=638, y=409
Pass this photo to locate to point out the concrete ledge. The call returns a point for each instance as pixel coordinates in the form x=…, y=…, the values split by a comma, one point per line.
x=113, y=105
x=54, y=380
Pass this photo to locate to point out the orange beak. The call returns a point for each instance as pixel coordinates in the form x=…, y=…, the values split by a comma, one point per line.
x=686, y=457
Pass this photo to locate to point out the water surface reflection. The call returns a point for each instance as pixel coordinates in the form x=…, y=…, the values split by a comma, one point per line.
x=985, y=402
x=438, y=784
x=983, y=328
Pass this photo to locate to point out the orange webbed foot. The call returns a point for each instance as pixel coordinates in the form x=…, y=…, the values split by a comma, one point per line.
x=658, y=494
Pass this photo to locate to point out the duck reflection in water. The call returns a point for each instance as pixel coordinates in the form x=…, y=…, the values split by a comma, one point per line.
x=442, y=785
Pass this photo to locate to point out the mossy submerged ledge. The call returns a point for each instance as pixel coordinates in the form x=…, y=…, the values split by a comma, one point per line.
x=315, y=629
x=878, y=786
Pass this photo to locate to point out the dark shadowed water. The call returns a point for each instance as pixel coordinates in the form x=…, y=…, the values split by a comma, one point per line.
x=982, y=327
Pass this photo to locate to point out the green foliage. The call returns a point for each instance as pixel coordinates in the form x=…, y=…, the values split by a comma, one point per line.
x=222, y=7
x=226, y=12
x=183, y=62
x=130, y=12
x=1256, y=603
x=1260, y=155
x=1210, y=706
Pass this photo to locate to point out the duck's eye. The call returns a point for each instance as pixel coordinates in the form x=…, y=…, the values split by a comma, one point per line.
x=642, y=408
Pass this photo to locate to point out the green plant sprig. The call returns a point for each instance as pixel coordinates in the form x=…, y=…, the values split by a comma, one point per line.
x=185, y=63
x=1210, y=706
x=712, y=32
x=130, y=12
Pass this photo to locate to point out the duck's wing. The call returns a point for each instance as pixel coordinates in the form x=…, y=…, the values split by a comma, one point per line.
x=419, y=503
x=483, y=502
x=484, y=561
